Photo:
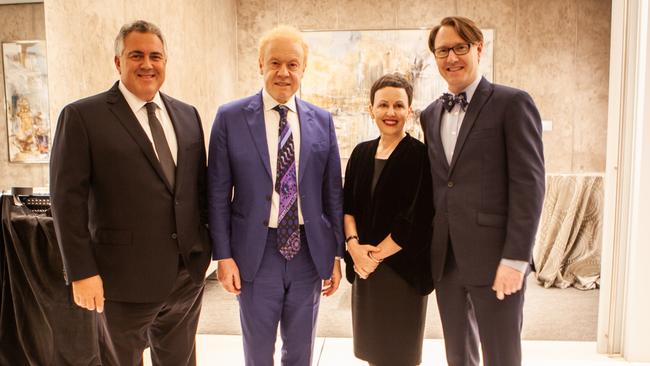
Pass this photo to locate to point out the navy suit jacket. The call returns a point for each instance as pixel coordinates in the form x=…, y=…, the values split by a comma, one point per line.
x=488, y=200
x=240, y=185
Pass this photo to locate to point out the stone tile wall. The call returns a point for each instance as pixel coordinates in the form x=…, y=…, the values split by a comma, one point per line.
x=557, y=50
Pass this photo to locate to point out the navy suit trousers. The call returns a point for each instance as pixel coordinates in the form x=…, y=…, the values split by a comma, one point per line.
x=285, y=293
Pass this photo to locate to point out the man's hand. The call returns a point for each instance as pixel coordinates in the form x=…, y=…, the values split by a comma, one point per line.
x=363, y=265
x=89, y=293
x=330, y=286
x=228, y=274
x=507, y=281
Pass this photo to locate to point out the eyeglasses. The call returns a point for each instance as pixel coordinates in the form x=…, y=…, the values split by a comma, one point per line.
x=459, y=50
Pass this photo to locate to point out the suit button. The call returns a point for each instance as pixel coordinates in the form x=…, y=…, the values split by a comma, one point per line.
x=174, y=236
x=450, y=184
x=265, y=222
x=176, y=203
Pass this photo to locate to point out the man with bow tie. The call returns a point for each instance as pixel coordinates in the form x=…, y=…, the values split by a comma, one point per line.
x=276, y=205
x=487, y=164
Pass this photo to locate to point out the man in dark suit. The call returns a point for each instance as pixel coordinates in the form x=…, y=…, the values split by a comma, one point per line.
x=487, y=164
x=128, y=184
x=276, y=237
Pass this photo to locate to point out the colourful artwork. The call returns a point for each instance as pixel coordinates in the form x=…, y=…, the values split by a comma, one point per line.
x=342, y=66
x=26, y=93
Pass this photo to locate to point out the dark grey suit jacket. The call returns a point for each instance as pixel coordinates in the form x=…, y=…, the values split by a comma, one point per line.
x=489, y=199
x=114, y=213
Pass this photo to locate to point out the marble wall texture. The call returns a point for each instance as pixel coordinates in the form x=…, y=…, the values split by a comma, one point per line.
x=201, y=42
x=557, y=50
x=18, y=22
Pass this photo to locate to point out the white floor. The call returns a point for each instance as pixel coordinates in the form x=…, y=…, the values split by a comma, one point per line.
x=227, y=350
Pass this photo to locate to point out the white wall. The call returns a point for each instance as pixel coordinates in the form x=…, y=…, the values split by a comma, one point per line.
x=624, y=322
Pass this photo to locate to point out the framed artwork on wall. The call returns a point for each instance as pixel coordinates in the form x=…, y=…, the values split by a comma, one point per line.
x=26, y=100
x=342, y=66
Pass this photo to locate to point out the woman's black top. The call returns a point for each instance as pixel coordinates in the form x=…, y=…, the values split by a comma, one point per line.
x=400, y=204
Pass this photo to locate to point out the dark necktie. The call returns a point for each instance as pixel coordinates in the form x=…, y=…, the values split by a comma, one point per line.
x=287, y=187
x=449, y=101
x=161, y=145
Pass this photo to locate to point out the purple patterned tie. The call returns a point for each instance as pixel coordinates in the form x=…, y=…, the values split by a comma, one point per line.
x=287, y=187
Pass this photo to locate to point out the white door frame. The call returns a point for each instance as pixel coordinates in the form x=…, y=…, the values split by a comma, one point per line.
x=627, y=175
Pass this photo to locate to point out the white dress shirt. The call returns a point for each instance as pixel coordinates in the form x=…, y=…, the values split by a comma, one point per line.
x=272, y=124
x=138, y=107
x=451, y=121
x=449, y=130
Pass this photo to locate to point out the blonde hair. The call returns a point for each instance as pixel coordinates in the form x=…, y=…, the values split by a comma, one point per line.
x=283, y=32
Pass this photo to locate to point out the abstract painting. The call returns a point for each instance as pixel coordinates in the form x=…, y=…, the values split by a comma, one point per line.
x=26, y=94
x=342, y=66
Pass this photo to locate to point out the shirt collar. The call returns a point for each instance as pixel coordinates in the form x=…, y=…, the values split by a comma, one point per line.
x=136, y=103
x=471, y=88
x=270, y=102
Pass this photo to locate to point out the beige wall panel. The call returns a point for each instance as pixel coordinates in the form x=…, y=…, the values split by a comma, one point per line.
x=364, y=14
x=590, y=133
x=423, y=14
x=18, y=22
x=201, y=39
x=545, y=67
x=309, y=14
x=220, y=70
x=254, y=17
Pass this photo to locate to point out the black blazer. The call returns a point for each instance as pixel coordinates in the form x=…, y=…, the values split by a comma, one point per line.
x=401, y=206
x=114, y=213
x=489, y=199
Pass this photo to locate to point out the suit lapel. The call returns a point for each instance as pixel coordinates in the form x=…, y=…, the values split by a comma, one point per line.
x=435, y=134
x=481, y=95
x=307, y=134
x=254, y=115
x=120, y=108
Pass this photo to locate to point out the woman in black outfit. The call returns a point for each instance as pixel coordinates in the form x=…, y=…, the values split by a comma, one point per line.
x=388, y=212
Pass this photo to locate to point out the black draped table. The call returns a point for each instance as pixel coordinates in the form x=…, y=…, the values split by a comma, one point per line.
x=39, y=323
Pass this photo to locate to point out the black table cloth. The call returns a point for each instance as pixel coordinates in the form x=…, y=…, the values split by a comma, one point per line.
x=39, y=323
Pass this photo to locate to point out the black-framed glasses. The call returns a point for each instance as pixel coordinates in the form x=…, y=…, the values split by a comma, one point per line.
x=459, y=50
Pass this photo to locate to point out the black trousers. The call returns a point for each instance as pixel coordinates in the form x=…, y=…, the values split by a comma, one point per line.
x=168, y=327
x=473, y=314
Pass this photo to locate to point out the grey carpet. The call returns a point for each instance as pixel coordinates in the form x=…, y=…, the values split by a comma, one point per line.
x=549, y=314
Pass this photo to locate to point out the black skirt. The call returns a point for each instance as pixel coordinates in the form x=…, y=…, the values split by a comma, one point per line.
x=388, y=317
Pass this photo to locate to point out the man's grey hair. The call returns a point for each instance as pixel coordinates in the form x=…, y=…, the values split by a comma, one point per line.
x=140, y=26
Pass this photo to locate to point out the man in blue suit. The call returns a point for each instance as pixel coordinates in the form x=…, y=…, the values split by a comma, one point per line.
x=275, y=205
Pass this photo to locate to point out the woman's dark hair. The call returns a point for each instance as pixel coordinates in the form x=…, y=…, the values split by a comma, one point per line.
x=396, y=80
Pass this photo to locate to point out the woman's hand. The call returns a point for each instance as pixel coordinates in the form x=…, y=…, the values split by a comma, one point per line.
x=363, y=264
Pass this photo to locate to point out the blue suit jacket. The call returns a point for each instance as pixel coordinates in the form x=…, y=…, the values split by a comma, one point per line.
x=240, y=185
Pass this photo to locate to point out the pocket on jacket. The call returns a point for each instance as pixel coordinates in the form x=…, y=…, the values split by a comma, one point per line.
x=483, y=133
x=494, y=220
x=114, y=237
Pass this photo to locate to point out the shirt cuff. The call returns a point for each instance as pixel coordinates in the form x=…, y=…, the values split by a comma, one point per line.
x=520, y=266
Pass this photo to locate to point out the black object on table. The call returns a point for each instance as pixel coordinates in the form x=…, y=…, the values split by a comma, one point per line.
x=39, y=322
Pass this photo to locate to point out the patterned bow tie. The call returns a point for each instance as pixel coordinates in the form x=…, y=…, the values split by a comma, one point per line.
x=449, y=101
